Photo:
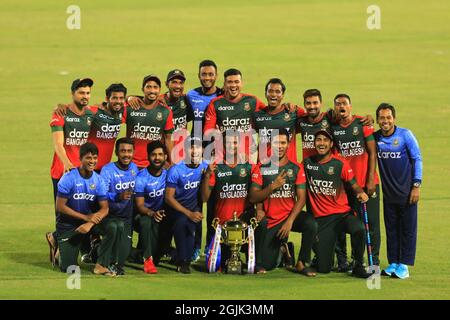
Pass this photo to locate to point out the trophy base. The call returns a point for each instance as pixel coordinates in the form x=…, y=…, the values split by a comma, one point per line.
x=234, y=267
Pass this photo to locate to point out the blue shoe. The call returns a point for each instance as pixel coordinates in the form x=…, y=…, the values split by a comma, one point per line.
x=196, y=255
x=401, y=272
x=389, y=270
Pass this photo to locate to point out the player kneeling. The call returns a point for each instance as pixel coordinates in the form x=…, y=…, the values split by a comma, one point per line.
x=280, y=197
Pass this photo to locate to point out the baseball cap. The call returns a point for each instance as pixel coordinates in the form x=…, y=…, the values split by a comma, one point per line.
x=151, y=77
x=86, y=82
x=324, y=132
x=177, y=73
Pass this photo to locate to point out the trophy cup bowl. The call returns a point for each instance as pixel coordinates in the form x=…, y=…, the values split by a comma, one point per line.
x=235, y=237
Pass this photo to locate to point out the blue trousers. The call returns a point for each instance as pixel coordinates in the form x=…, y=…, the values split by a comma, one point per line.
x=401, y=232
x=184, y=230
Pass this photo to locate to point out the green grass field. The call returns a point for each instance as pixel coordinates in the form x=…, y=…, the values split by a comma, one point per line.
x=323, y=44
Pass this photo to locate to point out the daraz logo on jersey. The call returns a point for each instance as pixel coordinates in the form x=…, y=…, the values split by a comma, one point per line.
x=142, y=132
x=180, y=123
x=124, y=185
x=351, y=149
x=198, y=113
x=308, y=141
x=242, y=124
x=238, y=190
x=84, y=196
x=156, y=193
x=191, y=185
x=284, y=192
x=76, y=138
x=108, y=132
x=324, y=187
x=389, y=155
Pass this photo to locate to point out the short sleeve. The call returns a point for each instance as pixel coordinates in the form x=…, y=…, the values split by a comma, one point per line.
x=169, y=122
x=139, y=186
x=172, y=177
x=101, y=189
x=259, y=105
x=257, y=179
x=300, y=181
x=56, y=123
x=65, y=186
x=347, y=172
x=368, y=131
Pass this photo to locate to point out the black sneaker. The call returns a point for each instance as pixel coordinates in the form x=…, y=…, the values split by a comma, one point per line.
x=360, y=272
x=118, y=270
x=184, y=267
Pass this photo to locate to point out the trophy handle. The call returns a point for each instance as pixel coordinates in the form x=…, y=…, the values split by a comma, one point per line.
x=215, y=223
x=254, y=222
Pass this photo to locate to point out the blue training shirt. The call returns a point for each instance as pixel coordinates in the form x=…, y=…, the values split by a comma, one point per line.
x=83, y=196
x=186, y=182
x=400, y=164
x=117, y=181
x=199, y=101
x=151, y=188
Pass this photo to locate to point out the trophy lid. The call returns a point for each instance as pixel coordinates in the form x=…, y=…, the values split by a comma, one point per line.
x=235, y=223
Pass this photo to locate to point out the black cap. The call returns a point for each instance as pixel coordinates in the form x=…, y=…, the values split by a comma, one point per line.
x=151, y=77
x=177, y=73
x=324, y=132
x=85, y=82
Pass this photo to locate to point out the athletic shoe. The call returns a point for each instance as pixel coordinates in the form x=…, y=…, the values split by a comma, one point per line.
x=389, y=270
x=401, y=271
x=184, y=267
x=101, y=270
x=86, y=258
x=196, y=255
x=53, y=248
x=149, y=266
x=360, y=272
x=118, y=270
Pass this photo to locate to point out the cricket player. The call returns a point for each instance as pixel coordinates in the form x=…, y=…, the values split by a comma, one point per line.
x=275, y=116
x=182, y=198
x=150, y=189
x=152, y=121
x=280, y=198
x=400, y=166
x=106, y=122
x=69, y=132
x=356, y=144
x=82, y=207
x=324, y=176
x=119, y=178
x=199, y=98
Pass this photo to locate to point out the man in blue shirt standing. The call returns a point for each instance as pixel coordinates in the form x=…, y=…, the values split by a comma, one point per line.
x=82, y=207
x=119, y=178
x=400, y=166
x=150, y=187
x=182, y=198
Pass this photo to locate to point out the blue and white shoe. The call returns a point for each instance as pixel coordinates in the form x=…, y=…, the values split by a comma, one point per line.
x=401, y=271
x=389, y=270
x=196, y=255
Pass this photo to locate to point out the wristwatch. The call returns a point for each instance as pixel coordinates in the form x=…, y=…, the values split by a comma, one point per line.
x=416, y=184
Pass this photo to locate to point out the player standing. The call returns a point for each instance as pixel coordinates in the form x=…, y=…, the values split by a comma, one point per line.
x=69, y=132
x=182, y=198
x=277, y=185
x=400, y=165
x=356, y=144
x=152, y=121
x=119, y=178
x=275, y=116
x=150, y=187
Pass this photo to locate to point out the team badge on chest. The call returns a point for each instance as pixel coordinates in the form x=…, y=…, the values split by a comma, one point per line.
x=159, y=116
x=324, y=124
x=247, y=106
x=287, y=117
x=92, y=186
x=355, y=131
x=396, y=143
x=330, y=170
x=182, y=104
x=290, y=173
x=243, y=173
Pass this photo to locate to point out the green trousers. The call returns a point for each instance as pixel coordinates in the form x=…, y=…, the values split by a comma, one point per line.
x=329, y=228
x=69, y=242
x=373, y=213
x=268, y=243
x=148, y=230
